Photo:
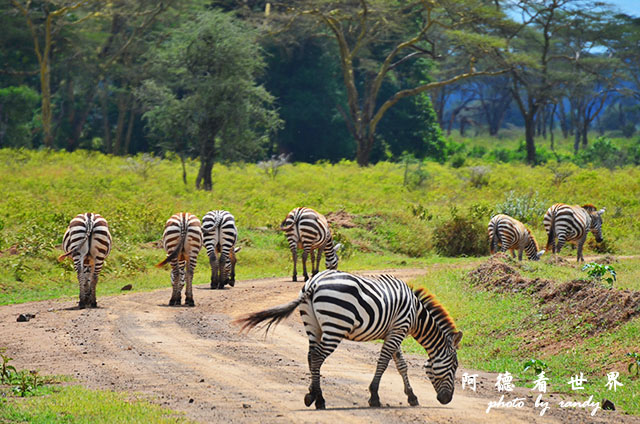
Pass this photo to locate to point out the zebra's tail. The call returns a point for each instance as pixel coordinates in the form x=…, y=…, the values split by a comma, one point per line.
x=495, y=240
x=87, y=234
x=178, y=249
x=273, y=316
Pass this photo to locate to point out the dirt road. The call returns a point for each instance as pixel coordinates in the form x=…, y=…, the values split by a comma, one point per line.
x=193, y=360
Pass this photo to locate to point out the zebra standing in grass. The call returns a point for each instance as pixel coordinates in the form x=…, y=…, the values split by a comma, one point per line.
x=220, y=236
x=572, y=223
x=511, y=234
x=336, y=305
x=182, y=240
x=308, y=230
x=88, y=242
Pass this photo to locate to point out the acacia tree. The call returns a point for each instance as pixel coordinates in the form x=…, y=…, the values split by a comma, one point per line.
x=44, y=19
x=204, y=89
x=376, y=36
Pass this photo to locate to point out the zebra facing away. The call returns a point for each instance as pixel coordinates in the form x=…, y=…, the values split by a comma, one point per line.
x=572, y=224
x=309, y=230
x=510, y=234
x=336, y=305
x=182, y=240
x=220, y=235
x=88, y=242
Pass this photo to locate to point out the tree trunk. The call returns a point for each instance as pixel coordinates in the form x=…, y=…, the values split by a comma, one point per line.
x=530, y=128
x=106, y=127
x=585, y=133
x=365, y=146
x=123, y=101
x=132, y=118
x=551, y=124
x=576, y=140
x=207, y=154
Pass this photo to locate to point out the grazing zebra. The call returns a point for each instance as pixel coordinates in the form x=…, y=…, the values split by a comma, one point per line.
x=182, y=240
x=512, y=235
x=572, y=223
x=88, y=242
x=220, y=235
x=336, y=305
x=308, y=230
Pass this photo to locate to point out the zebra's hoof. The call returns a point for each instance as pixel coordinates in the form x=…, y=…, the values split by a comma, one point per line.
x=189, y=302
x=374, y=402
x=94, y=304
x=294, y=278
x=174, y=302
x=309, y=398
x=306, y=277
x=81, y=306
x=232, y=283
x=320, y=404
x=413, y=400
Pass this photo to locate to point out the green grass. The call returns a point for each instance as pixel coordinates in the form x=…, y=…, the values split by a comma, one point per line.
x=74, y=404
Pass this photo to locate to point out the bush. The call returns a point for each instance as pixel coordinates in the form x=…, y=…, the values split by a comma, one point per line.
x=458, y=160
x=527, y=208
x=602, y=152
x=479, y=176
x=461, y=236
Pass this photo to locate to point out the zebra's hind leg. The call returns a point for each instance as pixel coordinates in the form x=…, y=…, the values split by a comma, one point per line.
x=213, y=261
x=317, y=354
x=294, y=255
x=305, y=254
x=401, y=365
x=188, y=294
x=390, y=346
x=175, y=284
x=92, y=295
x=83, y=283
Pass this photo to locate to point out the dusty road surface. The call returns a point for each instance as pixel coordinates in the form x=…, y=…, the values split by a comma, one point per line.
x=193, y=360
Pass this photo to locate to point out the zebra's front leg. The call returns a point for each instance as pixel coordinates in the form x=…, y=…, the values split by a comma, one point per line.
x=520, y=254
x=84, y=287
x=176, y=285
x=401, y=365
x=391, y=345
x=314, y=270
x=318, y=261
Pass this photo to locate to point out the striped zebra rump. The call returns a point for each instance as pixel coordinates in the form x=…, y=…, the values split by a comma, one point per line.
x=510, y=234
x=220, y=236
x=336, y=305
x=566, y=223
x=88, y=241
x=182, y=240
x=309, y=230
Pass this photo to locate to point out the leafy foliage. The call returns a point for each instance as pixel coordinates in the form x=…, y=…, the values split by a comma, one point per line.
x=527, y=208
x=597, y=272
x=536, y=365
x=635, y=363
x=461, y=236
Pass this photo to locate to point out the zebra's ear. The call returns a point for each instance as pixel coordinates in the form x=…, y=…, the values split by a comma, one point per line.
x=337, y=247
x=237, y=249
x=540, y=253
x=457, y=336
x=601, y=211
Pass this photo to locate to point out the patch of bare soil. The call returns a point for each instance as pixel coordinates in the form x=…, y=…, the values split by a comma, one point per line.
x=341, y=219
x=193, y=360
x=584, y=301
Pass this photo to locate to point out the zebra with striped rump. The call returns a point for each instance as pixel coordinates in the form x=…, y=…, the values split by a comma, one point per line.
x=336, y=305
x=182, y=240
x=88, y=242
x=510, y=234
x=572, y=224
x=220, y=235
x=308, y=230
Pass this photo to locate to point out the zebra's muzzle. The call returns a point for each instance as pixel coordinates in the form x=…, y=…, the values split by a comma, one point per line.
x=445, y=397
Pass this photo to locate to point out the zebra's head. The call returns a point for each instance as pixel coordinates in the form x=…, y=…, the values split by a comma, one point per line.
x=441, y=369
x=331, y=256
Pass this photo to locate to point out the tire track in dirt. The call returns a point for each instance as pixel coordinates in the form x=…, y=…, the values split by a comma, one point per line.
x=193, y=360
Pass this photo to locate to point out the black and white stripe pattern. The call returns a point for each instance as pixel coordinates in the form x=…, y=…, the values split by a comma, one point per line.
x=220, y=236
x=308, y=230
x=572, y=224
x=182, y=240
x=88, y=241
x=336, y=305
x=508, y=233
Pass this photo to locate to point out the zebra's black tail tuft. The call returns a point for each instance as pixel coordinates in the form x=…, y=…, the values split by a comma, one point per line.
x=172, y=256
x=273, y=316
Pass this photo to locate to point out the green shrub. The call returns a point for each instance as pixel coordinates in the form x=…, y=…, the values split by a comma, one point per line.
x=461, y=236
x=527, y=208
x=602, y=152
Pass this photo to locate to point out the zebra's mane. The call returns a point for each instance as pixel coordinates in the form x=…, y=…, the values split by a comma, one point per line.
x=589, y=207
x=435, y=308
x=533, y=238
